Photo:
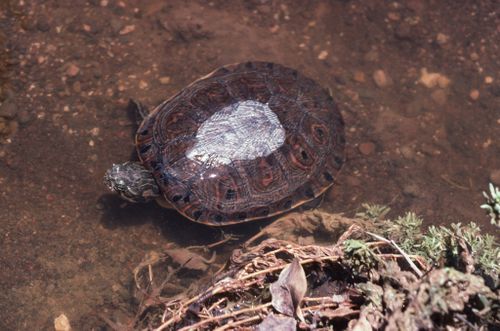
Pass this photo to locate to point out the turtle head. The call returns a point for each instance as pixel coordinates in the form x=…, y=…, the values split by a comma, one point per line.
x=132, y=182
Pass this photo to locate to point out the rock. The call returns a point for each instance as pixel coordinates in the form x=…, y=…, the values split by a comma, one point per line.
x=439, y=97
x=61, y=323
x=442, y=39
x=359, y=76
x=433, y=79
x=8, y=109
x=143, y=85
x=393, y=16
x=495, y=177
x=408, y=152
x=474, y=94
x=366, y=148
x=127, y=29
x=474, y=56
x=164, y=80
x=381, y=78
x=72, y=70
x=322, y=55
x=488, y=80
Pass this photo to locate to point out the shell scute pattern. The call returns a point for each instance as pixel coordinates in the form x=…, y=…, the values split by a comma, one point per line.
x=218, y=193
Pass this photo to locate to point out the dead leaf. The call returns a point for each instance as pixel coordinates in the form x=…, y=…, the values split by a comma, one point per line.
x=278, y=323
x=289, y=290
x=361, y=324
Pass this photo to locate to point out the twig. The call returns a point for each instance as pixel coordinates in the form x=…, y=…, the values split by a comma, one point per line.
x=234, y=324
x=407, y=258
x=222, y=317
x=453, y=183
x=227, y=238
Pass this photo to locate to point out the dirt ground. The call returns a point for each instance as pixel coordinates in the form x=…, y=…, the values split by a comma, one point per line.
x=418, y=84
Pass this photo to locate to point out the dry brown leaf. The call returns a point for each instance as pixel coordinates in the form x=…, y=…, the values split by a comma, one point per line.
x=278, y=323
x=289, y=290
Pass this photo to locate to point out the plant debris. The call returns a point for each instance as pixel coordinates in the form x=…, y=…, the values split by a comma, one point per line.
x=289, y=290
x=366, y=281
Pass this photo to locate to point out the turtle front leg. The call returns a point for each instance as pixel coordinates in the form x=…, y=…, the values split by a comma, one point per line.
x=140, y=112
x=132, y=181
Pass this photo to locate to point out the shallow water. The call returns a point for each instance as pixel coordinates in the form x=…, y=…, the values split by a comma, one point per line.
x=67, y=245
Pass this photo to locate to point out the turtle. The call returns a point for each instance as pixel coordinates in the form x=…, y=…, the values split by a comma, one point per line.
x=248, y=141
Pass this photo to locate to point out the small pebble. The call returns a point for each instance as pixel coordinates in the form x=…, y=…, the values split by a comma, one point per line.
x=495, y=177
x=94, y=132
x=474, y=56
x=367, y=148
x=274, y=28
x=87, y=28
x=439, y=97
x=488, y=80
x=61, y=323
x=474, y=94
x=322, y=55
x=393, y=16
x=381, y=78
x=441, y=38
x=127, y=29
x=359, y=76
x=143, y=85
x=72, y=70
x=164, y=80
x=408, y=152
x=432, y=79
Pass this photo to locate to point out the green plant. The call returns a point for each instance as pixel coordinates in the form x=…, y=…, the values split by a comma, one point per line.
x=492, y=205
x=373, y=212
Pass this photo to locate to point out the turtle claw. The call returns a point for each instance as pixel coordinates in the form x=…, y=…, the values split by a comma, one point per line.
x=140, y=111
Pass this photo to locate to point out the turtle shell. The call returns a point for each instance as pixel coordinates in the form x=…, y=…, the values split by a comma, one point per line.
x=247, y=141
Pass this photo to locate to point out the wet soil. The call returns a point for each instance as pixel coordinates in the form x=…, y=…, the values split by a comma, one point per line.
x=67, y=70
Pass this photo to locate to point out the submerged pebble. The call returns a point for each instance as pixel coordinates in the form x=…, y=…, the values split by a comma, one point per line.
x=381, y=78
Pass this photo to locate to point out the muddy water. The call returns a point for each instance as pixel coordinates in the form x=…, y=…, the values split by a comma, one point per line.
x=67, y=246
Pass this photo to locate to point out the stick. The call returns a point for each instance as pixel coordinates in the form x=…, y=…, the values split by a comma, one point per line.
x=407, y=258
